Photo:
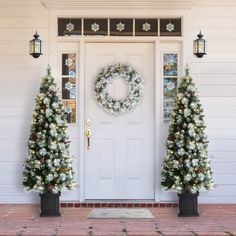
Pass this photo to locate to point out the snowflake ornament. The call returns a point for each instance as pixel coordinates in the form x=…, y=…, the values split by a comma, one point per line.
x=95, y=27
x=69, y=86
x=70, y=27
x=146, y=26
x=170, y=27
x=68, y=62
x=120, y=27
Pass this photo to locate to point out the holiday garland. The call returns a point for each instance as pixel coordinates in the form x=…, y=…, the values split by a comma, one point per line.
x=135, y=85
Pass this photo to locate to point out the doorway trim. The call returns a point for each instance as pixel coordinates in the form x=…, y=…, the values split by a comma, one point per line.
x=79, y=45
x=157, y=110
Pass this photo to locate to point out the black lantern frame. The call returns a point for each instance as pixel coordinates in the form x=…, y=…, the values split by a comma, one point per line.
x=36, y=46
x=199, y=46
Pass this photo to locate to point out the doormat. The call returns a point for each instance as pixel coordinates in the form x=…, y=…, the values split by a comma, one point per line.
x=121, y=213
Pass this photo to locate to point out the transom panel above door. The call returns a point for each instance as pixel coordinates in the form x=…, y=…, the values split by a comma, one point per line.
x=120, y=161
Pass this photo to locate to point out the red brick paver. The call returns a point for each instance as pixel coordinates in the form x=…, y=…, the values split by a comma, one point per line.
x=24, y=220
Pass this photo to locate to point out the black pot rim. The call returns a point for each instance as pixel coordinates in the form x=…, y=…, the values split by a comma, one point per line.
x=188, y=194
x=50, y=194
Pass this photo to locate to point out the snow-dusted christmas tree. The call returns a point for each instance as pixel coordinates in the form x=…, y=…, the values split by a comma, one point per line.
x=187, y=166
x=48, y=168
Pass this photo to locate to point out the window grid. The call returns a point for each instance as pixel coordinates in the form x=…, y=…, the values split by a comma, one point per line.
x=167, y=27
x=69, y=85
x=170, y=75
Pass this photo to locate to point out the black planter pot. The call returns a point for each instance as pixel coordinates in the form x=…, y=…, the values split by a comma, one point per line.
x=50, y=204
x=188, y=204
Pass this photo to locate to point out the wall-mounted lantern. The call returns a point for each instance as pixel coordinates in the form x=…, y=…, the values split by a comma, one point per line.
x=36, y=46
x=199, y=46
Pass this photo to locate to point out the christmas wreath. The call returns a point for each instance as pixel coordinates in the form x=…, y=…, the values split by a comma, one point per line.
x=135, y=86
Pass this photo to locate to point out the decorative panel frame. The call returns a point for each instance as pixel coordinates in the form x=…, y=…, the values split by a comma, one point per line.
x=146, y=27
x=68, y=27
x=95, y=27
x=69, y=77
x=170, y=27
x=170, y=80
x=120, y=27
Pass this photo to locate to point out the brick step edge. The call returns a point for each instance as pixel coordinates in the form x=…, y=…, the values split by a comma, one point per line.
x=117, y=205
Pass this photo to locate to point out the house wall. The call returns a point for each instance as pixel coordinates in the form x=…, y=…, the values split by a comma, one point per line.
x=20, y=79
x=214, y=74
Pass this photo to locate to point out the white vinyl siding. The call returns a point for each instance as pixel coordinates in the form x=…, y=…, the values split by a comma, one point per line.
x=20, y=78
x=215, y=76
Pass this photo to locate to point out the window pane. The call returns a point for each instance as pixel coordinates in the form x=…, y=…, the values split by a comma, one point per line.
x=69, y=88
x=170, y=88
x=167, y=110
x=70, y=108
x=146, y=27
x=95, y=27
x=170, y=64
x=121, y=27
x=170, y=27
x=69, y=64
x=69, y=27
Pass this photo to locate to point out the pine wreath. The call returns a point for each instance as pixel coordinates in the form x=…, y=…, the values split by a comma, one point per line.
x=135, y=85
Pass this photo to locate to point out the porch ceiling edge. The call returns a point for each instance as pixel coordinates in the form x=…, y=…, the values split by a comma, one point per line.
x=119, y=4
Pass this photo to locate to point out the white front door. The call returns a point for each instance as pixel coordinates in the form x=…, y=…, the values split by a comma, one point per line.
x=120, y=161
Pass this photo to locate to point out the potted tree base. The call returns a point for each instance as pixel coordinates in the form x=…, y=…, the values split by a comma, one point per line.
x=188, y=204
x=50, y=204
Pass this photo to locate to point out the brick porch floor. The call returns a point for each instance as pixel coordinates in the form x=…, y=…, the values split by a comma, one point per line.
x=24, y=220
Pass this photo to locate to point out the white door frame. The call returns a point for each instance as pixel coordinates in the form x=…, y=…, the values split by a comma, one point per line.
x=157, y=110
x=79, y=45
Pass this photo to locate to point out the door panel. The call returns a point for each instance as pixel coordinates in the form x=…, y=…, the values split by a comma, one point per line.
x=120, y=162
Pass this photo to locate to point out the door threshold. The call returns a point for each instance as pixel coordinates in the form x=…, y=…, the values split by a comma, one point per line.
x=119, y=204
x=121, y=200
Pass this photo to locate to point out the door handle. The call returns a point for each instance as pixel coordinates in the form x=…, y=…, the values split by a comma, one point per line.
x=88, y=134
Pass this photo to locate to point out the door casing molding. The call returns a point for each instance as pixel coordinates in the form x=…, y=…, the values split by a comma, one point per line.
x=79, y=43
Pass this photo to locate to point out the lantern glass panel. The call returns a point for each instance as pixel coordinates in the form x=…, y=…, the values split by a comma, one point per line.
x=31, y=47
x=195, y=46
x=201, y=46
x=37, y=46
